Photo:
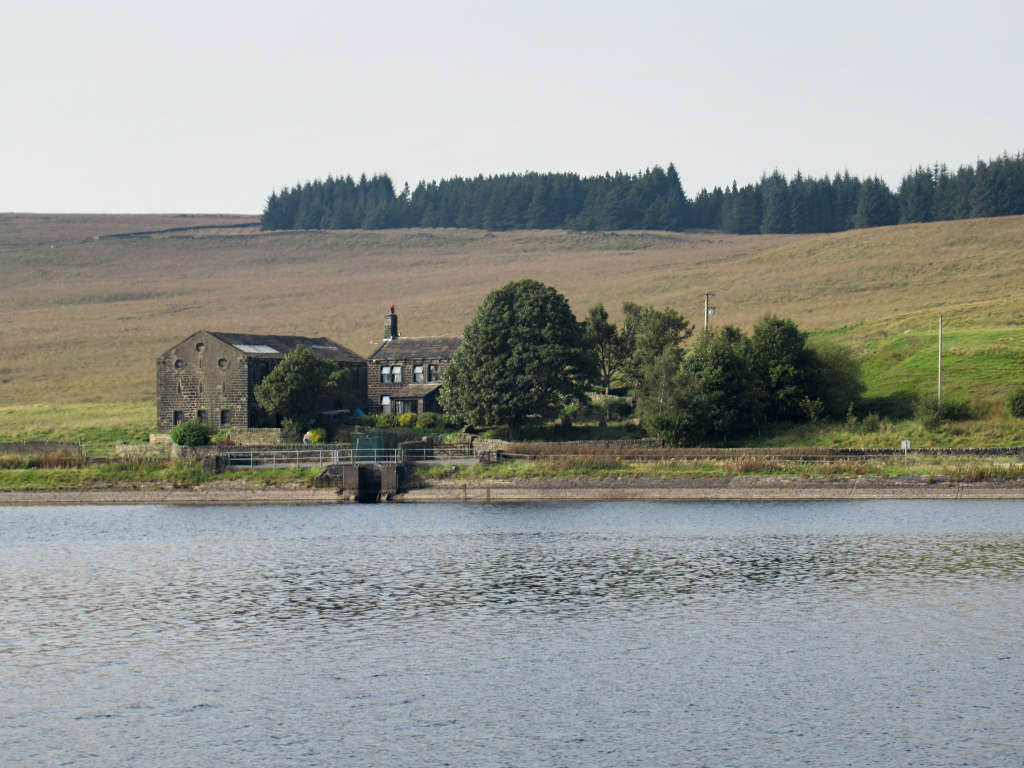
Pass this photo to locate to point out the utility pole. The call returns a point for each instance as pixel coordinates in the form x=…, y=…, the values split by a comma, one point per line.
x=940, y=364
x=708, y=311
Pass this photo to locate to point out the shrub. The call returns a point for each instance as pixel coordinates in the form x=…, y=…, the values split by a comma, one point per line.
x=1015, y=403
x=928, y=411
x=429, y=420
x=387, y=420
x=407, y=420
x=871, y=423
x=318, y=435
x=221, y=437
x=291, y=431
x=191, y=433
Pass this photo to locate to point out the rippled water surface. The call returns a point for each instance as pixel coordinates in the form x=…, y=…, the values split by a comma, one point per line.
x=755, y=634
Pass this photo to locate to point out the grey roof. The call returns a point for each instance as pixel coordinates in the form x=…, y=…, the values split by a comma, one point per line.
x=417, y=348
x=275, y=347
x=398, y=391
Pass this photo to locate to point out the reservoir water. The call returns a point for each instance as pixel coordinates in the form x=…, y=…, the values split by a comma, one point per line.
x=632, y=634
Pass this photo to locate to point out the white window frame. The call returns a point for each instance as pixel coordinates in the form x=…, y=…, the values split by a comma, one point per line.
x=396, y=374
x=385, y=374
x=418, y=376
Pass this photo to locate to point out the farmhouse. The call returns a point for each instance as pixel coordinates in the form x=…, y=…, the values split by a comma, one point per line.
x=404, y=372
x=212, y=376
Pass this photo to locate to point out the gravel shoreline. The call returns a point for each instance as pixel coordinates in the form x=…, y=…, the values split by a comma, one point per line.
x=739, y=488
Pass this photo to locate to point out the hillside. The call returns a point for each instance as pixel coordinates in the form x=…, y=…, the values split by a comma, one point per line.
x=85, y=314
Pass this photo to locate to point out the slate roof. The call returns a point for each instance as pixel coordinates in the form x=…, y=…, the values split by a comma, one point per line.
x=417, y=348
x=270, y=347
x=402, y=391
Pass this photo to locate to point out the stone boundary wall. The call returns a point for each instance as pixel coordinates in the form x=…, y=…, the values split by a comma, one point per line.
x=256, y=436
x=40, y=448
x=143, y=450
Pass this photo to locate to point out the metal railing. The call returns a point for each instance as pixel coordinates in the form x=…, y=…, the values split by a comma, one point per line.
x=280, y=458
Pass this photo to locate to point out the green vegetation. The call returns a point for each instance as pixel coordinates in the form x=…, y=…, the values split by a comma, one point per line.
x=299, y=387
x=522, y=355
x=192, y=433
x=613, y=468
x=1015, y=403
x=99, y=426
x=653, y=199
x=143, y=474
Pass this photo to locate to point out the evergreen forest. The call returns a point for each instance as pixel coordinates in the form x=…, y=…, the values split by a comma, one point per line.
x=653, y=199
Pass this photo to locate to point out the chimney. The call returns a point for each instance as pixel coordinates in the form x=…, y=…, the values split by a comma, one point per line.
x=391, y=330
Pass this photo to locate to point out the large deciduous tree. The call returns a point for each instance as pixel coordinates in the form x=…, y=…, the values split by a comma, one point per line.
x=522, y=355
x=301, y=385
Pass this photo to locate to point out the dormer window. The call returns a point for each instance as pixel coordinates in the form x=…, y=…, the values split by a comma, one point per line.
x=417, y=374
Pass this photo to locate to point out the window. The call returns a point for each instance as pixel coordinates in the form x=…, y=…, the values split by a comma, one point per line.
x=179, y=363
x=396, y=374
x=385, y=404
x=201, y=415
x=200, y=347
x=432, y=372
x=222, y=363
x=225, y=418
x=417, y=374
x=385, y=374
x=179, y=417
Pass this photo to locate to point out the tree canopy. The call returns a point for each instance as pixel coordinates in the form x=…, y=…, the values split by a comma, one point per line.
x=303, y=384
x=652, y=199
x=522, y=355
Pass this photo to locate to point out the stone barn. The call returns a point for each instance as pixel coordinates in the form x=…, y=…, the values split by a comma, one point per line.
x=212, y=376
x=404, y=372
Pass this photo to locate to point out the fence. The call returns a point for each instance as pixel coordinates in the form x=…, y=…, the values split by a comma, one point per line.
x=271, y=457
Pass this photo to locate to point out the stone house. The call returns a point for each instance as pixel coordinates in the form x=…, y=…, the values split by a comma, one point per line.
x=404, y=372
x=213, y=376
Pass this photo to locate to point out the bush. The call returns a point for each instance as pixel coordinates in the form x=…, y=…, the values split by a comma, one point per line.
x=407, y=420
x=928, y=411
x=222, y=437
x=429, y=420
x=1015, y=403
x=291, y=431
x=387, y=420
x=191, y=433
x=318, y=435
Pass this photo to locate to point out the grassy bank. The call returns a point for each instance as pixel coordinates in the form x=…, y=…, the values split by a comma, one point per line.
x=98, y=426
x=607, y=468
x=142, y=474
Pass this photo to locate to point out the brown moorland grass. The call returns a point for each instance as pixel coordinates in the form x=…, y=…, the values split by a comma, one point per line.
x=85, y=315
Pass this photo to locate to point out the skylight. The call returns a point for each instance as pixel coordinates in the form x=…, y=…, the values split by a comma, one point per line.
x=256, y=349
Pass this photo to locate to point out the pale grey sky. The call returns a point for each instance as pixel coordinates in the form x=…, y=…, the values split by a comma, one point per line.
x=189, y=106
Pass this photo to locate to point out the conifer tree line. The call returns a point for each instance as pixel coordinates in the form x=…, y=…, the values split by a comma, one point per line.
x=653, y=199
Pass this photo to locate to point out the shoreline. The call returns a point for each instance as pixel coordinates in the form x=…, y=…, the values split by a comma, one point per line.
x=738, y=488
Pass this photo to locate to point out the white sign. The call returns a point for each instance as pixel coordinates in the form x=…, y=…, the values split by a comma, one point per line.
x=905, y=445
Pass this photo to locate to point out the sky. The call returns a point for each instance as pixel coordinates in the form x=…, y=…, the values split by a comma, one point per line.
x=208, y=107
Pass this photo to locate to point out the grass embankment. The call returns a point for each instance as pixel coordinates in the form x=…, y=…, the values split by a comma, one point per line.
x=98, y=426
x=609, y=469
x=144, y=474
